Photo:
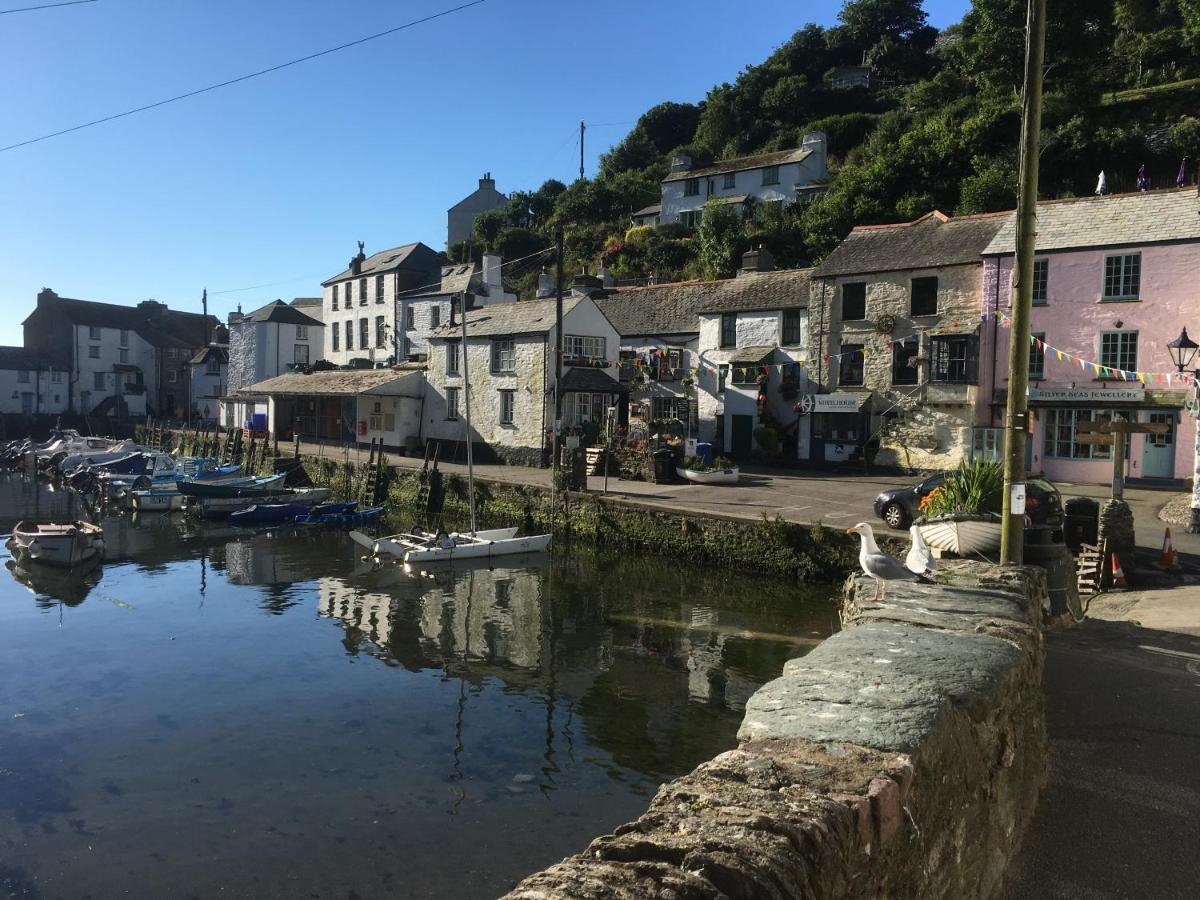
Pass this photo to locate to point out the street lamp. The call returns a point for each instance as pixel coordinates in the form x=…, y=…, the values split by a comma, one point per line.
x=1183, y=353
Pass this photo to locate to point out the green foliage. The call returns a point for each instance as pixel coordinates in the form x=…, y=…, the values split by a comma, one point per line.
x=768, y=438
x=719, y=239
x=976, y=487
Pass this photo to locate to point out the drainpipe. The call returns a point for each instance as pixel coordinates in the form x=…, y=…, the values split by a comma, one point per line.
x=995, y=325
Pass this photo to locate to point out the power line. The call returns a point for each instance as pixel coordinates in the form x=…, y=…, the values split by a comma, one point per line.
x=241, y=78
x=5, y=12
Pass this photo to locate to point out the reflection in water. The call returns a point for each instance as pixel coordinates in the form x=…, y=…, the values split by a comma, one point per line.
x=232, y=713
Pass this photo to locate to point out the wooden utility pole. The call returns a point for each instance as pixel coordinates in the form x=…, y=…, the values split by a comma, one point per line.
x=558, y=347
x=1012, y=538
x=582, y=129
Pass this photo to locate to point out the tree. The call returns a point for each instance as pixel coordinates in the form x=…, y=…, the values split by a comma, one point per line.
x=488, y=225
x=719, y=239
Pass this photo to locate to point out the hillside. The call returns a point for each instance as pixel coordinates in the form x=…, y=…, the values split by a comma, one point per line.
x=940, y=130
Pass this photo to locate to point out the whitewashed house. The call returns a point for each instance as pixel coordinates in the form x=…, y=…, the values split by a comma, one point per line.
x=754, y=356
x=262, y=344
x=786, y=176
x=423, y=310
x=31, y=384
x=209, y=377
x=509, y=359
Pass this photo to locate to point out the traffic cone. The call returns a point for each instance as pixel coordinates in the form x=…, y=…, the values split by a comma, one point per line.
x=1168, y=559
x=1118, y=577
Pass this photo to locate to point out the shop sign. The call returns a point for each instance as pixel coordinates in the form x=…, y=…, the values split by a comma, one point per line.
x=831, y=403
x=1088, y=395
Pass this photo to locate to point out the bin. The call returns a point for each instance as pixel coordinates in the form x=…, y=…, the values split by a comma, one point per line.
x=664, y=466
x=705, y=452
x=1082, y=522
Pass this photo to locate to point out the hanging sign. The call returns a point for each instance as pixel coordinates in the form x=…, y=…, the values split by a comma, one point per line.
x=831, y=403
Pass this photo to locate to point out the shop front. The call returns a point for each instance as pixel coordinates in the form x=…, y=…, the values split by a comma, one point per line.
x=838, y=427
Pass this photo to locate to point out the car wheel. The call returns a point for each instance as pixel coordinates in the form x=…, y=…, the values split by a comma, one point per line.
x=895, y=516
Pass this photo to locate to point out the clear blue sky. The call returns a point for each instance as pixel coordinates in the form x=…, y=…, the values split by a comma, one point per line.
x=275, y=179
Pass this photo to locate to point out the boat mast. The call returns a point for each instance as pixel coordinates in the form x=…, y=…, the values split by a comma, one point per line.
x=462, y=308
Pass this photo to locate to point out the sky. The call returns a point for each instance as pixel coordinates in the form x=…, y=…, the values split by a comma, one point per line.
x=268, y=184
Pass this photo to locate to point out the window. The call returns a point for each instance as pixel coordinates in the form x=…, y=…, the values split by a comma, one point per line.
x=770, y=175
x=1122, y=276
x=410, y=317
x=691, y=187
x=124, y=355
x=507, y=401
x=93, y=351
x=335, y=297
x=792, y=331
x=854, y=301
x=56, y=377
x=23, y=376
x=299, y=354
x=1061, y=432
x=452, y=358
x=747, y=374
x=924, y=296
x=730, y=180
x=378, y=288
x=691, y=218
x=1037, y=358
x=364, y=334
x=850, y=367
x=349, y=334
x=171, y=353
x=93, y=333
x=435, y=316
x=504, y=355
x=584, y=346
x=1041, y=281
x=711, y=187
x=953, y=357
x=722, y=377
x=98, y=380
x=904, y=370
x=336, y=334
x=380, y=331
x=728, y=329
x=362, y=292
x=214, y=365
x=124, y=337
x=302, y=332
x=173, y=376
x=1118, y=349
x=452, y=403
x=987, y=443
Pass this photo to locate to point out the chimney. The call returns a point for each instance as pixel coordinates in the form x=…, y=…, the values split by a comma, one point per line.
x=759, y=260
x=816, y=142
x=357, y=261
x=681, y=163
x=46, y=296
x=606, y=277
x=492, y=279
x=546, y=286
x=487, y=182
x=584, y=284
x=152, y=307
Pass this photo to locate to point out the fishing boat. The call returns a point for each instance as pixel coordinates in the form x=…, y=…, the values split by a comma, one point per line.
x=57, y=544
x=96, y=452
x=963, y=534
x=264, y=486
x=709, y=476
x=156, y=500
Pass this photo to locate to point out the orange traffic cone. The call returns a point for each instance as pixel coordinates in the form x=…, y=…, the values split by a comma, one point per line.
x=1118, y=577
x=1168, y=559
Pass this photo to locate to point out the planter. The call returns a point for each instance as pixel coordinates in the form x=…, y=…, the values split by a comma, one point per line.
x=962, y=534
x=714, y=476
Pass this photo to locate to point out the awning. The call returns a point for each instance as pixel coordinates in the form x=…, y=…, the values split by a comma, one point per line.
x=752, y=356
x=591, y=381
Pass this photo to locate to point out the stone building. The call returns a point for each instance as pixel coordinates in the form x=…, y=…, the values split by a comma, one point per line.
x=897, y=313
x=264, y=343
x=509, y=358
x=460, y=218
x=424, y=309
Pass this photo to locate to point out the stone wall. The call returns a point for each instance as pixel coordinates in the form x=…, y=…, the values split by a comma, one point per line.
x=902, y=757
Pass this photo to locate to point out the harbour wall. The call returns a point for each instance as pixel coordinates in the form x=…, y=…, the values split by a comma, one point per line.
x=901, y=757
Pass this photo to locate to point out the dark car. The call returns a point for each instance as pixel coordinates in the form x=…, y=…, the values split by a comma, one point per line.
x=898, y=507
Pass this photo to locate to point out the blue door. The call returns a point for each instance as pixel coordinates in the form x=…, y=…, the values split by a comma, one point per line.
x=27, y=403
x=1158, y=450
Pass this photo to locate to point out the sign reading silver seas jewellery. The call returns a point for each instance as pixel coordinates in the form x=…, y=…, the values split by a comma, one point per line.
x=1088, y=395
x=830, y=403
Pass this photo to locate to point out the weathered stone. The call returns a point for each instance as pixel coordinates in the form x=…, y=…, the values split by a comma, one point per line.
x=885, y=806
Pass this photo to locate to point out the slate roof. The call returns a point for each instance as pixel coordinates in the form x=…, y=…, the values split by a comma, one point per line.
x=20, y=358
x=1148, y=217
x=409, y=256
x=522, y=317
x=341, y=383
x=284, y=313
x=454, y=280
x=202, y=356
x=591, y=381
x=653, y=210
x=671, y=308
x=931, y=241
x=742, y=163
x=157, y=324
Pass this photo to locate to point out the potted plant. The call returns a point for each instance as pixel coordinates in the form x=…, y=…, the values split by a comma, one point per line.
x=698, y=471
x=963, y=516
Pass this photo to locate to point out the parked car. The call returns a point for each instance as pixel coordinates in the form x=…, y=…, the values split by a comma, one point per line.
x=899, y=506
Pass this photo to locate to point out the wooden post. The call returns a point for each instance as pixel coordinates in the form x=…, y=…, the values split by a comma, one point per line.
x=1118, y=455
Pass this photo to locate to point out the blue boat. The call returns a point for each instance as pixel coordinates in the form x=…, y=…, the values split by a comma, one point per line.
x=349, y=518
x=267, y=514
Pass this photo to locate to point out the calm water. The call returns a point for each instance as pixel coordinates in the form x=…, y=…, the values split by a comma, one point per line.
x=216, y=713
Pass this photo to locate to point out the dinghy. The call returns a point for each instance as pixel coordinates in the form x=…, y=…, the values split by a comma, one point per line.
x=709, y=476
x=237, y=487
x=156, y=500
x=219, y=507
x=962, y=534
x=57, y=544
x=267, y=514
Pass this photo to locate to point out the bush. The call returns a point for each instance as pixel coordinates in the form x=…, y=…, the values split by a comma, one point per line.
x=977, y=487
x=768, y=438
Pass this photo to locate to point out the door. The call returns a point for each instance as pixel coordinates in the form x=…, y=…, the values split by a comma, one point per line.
x=27, y=403
x=1158, y=450
x=742, y=436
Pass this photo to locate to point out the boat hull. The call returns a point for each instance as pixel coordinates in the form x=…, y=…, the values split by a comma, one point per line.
x=248, y=487
x=695, y=476
x=58, y=545
x=156, y=501
x=218, y=507
x=479, y=549
x=962, y=537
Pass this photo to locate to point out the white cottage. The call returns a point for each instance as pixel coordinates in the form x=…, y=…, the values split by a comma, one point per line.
x=422, y=310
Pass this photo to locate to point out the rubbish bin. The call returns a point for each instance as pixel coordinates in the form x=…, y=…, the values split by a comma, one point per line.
x=664, y=466
x=705, y=452
x=1082, y=524
x=1061, y=588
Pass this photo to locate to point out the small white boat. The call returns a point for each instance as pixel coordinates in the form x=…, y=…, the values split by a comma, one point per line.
x=57, y=545
x=397, y=545
x=156, y=500
x=423, y=547
x=962, y=534
x=706, y=476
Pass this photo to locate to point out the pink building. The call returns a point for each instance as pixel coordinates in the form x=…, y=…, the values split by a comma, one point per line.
x=1114, y=279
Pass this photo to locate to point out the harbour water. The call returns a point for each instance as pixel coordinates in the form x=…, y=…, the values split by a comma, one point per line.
x=213, y=712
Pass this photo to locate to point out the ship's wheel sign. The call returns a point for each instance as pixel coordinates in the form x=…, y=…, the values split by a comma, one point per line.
x=806, y=405
x=885, y=324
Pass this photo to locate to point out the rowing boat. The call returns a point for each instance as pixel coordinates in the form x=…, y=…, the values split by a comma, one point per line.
x=237, y=487
x=57, y=544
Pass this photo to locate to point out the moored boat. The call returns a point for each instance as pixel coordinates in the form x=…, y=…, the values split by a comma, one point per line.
x=219, y=507
x=709, y=476
x=154, y=500
x=267, y=514
x=237, y=487
x=56, y=544
x=963, y=534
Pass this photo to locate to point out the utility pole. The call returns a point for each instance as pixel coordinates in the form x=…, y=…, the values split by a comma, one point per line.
x=558, y=345
x=204, y=305
x=582, y=129
x=1012, y=537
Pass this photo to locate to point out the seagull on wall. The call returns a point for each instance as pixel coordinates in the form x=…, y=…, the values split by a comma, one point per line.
x=879, y=565
x=920, y=558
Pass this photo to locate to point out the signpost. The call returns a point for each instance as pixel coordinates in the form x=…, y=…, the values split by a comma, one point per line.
x=1113, y=434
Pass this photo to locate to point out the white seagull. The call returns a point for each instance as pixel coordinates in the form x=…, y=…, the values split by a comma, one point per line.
x=920, y=558
x=878, y=564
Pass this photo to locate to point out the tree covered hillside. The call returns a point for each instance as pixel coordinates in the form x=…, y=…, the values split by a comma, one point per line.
x=939, y=131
